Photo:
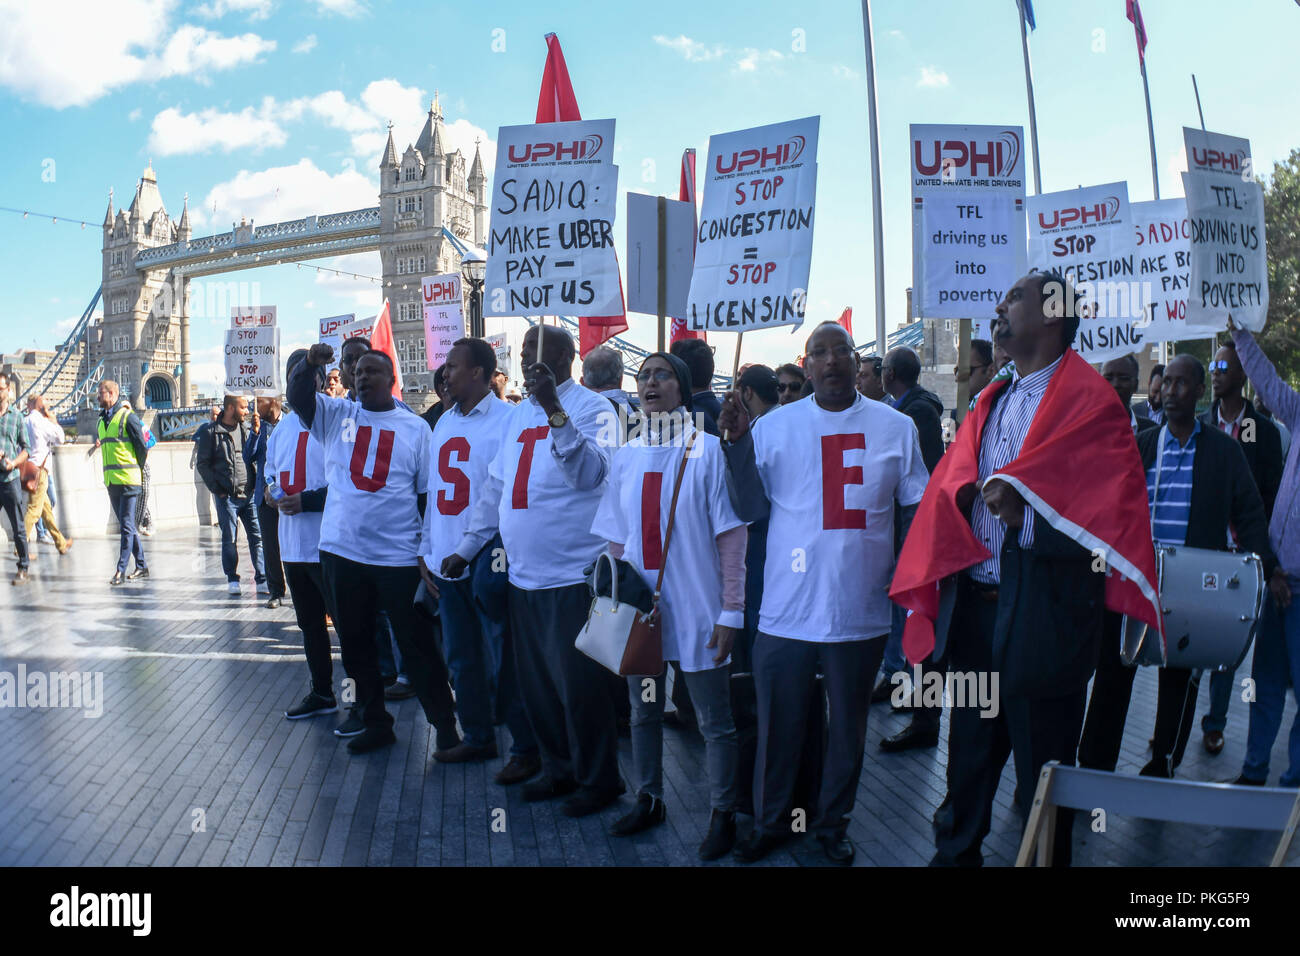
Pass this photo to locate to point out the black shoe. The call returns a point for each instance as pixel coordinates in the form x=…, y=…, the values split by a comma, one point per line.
x=1244, y=781
x=372, y=738
x=20, y=577
x=137, y=574
x=838, y=848
x=446, y=738
x=587, y=800
x=757, y=845
x=544, y=788
x=912, y=737
x=399, y=690
x=883, y=690
x=721, y=836
x=466, y=752
x=117, y=579
x=518, y=769
x=352, y=726
x=313, y=705
x=1156, y=768
x=272, y=603
x=648, y=812
x=1214, y=742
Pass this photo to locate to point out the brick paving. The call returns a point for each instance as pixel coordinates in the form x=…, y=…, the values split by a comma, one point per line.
x=193, y=764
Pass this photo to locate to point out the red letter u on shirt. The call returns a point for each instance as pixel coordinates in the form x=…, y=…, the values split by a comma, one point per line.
x=835, y=476
x=383, y=458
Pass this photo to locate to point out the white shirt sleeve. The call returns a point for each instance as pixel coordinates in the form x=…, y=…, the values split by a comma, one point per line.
x=912, y=481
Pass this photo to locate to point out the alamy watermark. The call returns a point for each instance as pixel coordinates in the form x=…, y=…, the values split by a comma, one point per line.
x=978, y=689
x=75, y=690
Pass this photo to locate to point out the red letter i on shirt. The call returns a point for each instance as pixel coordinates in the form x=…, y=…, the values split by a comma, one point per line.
x=529, y=438
x=652, y=485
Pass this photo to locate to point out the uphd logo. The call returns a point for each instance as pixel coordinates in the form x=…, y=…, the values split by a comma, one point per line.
x=781, y=155
x=539, y=152
x=1108, y=208
x=75, y=909
x=994, y=157
x=1217, y=161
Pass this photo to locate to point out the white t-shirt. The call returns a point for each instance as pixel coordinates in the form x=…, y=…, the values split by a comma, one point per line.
x=297, y=463
x=461, y=452
x=832, y=479
x=542, y=519
x=376, y=464
x=634, y=513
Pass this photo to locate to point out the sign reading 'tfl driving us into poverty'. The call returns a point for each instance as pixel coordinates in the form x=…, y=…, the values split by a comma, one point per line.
x=968, y=227
x=551, y=248
x=1225, y=210
x=754, y=238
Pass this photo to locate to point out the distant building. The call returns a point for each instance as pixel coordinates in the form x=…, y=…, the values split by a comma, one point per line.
x=24, y=366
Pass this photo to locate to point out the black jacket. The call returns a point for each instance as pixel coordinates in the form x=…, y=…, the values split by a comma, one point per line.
x=1223, y=493
x=925, y=409
x=1144, y=424
x=707, y=403
x=216, y=460
x=1263, y=454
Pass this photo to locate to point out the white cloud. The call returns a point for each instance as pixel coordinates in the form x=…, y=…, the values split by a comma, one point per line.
x=60, y=58
x=344, y=8
x=285, y=192
x=750, y=59
x=306, y=44
x=932, y=78
x=361, y=296
x=256, y=9
x=133, y=115
x=692, y=50
x=841, y=72
x=174, y=132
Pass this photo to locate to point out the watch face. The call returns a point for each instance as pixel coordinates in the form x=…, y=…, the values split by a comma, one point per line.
x=558, y=419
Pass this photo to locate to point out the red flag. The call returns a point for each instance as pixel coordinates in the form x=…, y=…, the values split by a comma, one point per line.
x=1079, y=469
x=685, y=193
x=846, y=319
x=556, y=103
x=381, y=340
x=1133, y=10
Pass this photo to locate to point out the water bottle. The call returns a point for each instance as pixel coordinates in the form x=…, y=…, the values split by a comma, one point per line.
x=274, y=493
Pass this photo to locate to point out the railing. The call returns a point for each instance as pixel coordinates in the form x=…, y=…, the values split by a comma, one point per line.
x=50, y=374
x=82, y=391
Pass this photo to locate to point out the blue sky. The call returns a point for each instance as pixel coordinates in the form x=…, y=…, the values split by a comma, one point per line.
x=274, y=109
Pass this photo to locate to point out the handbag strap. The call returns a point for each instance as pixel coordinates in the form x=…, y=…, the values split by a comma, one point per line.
x=672, y=514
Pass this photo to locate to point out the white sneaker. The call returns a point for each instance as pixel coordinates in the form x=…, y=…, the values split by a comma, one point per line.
x=233, y=587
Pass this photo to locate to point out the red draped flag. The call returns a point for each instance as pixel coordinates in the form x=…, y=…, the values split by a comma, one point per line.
x=556, y=103
x=1133, y=10
x=846, y=320
x=381, y=340
x=685, y=193
x=1079, y=468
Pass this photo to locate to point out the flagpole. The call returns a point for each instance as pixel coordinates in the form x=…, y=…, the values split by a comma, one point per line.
x=877, y=221
x=1029, y=89
x=1151, y=130
x=1197, y=90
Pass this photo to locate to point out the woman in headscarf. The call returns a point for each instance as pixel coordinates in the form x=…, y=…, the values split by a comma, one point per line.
x=702, y=602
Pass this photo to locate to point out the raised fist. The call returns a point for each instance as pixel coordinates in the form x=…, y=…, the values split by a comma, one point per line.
x=320, y=354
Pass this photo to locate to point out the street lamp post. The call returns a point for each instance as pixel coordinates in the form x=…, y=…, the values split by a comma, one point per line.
x=473, y=268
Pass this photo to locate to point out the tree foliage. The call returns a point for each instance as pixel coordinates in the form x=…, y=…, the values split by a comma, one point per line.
x=1281, y=338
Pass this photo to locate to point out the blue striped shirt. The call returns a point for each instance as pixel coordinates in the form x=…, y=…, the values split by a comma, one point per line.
x=1170, y=512
x=1004, y=433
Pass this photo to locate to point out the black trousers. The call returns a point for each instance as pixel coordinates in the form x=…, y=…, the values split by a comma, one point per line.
x=1175, y=714
x=784, y=672
x=1112, y=688
x=11, y=493
x=566, y=693
x=1036, y=730
x=269, y=518
x=355, y=593
x=309, y=609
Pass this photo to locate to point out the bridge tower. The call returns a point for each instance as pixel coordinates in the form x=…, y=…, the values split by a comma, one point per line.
x=423, y=195
x=143, y=336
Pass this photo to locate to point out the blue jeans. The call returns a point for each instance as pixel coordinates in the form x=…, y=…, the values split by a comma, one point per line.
x=475, y=644
x=1222, y=684
x=123, y=498
x=229, y=511
x=1277, y=662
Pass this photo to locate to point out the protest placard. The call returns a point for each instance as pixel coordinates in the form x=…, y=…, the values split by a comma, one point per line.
x=331, y=334
x=1163, y=244
x=444, y=316
x=1086, y=234
x=253, y=361
x=643, y=253
x=251, y=316
x=551, y=248
x=754, y=239
x=1225, y=214
x=968, y=224
x=501, y=346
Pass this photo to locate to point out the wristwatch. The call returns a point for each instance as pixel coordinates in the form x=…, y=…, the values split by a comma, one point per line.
x=558, y=419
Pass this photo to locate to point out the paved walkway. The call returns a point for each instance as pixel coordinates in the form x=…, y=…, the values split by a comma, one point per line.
x=193, y=763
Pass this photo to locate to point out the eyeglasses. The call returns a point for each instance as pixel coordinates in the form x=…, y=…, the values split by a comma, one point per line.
x=656, y=375
x=789, y=386
x=1220, y=366
x=839, y=351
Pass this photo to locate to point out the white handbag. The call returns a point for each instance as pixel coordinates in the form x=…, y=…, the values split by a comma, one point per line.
x=620, y=636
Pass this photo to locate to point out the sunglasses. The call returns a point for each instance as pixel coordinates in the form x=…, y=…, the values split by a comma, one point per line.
x=1220, y=366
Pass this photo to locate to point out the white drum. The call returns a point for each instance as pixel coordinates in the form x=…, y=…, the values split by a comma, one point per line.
x=1211, y=601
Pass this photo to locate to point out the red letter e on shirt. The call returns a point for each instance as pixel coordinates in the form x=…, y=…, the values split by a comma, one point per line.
x=835, y=476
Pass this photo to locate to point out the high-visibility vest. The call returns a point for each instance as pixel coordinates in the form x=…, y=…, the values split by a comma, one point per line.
x=120, y=464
